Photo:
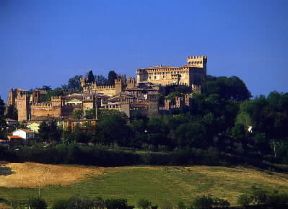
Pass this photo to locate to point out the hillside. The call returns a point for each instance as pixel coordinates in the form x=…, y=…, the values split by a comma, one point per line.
x=158, y=184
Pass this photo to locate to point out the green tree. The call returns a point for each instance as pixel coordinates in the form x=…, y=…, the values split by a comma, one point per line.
x=77, y=114
x=203, y=202
x=244, y=200
x=111, y=77
x=113, y=130
x=90, y=114
x=44, y=131
x=101, y=80
x=60, y=204
x=116, y=203
x=37, y=203
x=12, y=112
x=74, y=83
x=90, y=77
x=144, y=204
x=232, y=88
x=2, y=120
x=49, y=131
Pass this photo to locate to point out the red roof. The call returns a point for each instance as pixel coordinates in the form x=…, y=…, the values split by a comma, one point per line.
x=15, y=137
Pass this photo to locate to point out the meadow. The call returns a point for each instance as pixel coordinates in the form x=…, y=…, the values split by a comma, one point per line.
x=159, y=184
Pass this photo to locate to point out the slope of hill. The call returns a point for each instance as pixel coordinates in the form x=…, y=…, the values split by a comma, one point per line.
x=158, y=184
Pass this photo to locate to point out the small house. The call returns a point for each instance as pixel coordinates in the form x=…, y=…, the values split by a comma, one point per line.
x=24, y=134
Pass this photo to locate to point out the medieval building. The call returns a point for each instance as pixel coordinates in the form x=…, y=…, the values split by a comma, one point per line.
x=192, y=74
x=131, y=96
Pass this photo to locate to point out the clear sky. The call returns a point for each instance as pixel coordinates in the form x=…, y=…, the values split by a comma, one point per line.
x=44, y=42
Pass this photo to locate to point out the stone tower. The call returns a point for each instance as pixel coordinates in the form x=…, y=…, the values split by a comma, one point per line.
x=131, y=83
x=118, y=86
x=23, y=106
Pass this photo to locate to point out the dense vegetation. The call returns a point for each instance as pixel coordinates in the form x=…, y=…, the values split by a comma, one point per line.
x=222, y=125
x=254, y=199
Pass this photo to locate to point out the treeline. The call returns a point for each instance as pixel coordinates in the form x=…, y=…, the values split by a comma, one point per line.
x=223, y=122
x=100, y=155
x=255, y=198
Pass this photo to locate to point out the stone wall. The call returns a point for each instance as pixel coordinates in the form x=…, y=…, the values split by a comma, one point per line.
x=45, y=110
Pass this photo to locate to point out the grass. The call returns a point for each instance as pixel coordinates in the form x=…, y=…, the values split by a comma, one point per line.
x=158, y=184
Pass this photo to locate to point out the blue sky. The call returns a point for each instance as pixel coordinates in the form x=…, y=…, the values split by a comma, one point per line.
x=46, y=42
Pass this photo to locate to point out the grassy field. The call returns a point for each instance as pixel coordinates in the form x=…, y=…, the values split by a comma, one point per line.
x=158, y=184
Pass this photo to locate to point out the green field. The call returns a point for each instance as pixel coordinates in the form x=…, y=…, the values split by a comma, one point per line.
x=159, y=184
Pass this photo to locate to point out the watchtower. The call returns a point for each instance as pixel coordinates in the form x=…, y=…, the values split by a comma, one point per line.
x=118, y=85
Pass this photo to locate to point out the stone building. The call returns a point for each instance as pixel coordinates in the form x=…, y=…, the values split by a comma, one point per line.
x=132, y=96
x=192, y=74
x=109, y=90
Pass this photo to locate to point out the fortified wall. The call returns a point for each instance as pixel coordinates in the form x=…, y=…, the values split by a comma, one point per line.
x=193, y=73
x=105, y=89
x=49, y=109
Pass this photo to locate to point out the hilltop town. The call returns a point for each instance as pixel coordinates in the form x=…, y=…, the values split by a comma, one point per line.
x=134, y=96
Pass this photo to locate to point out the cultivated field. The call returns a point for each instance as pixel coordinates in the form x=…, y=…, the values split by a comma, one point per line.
x=158, y=184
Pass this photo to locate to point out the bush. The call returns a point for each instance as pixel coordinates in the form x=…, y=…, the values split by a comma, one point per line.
x=116, y=204
x=37, y=203
x=143, y=204
x=244, y=200
x=207, y=202
x=60, y=204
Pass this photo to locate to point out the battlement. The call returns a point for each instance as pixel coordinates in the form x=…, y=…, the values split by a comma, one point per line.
x=118, y=80
x=197, y=61
x=56, y=98
x=197, y=57
x=41, y=105
x=105, y=87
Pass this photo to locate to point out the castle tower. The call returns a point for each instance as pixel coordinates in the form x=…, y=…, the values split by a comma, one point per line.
x=56, y=101
x=118, y=86
x=23, y=106
x=131, y=83
x=197, y=62
x=12, y=94
x=153, y=104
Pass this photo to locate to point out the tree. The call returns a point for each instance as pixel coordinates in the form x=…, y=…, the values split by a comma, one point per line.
x=77, y=114
x=90, y=114
x=12, y=112
x=113, y=129
x=60, y=204
x=90, y=77
x=2, y=120
x=74, y=83
x=111, y=77
x=37, y=203
x=101, y=80
x=244, y=200
x=208, y=202
x=2, y=107
x=116, y=203
x=202, y=202
x=144, y=204
x=46, y=87
x=49, y=131
x=232, y=88
x=44, y=131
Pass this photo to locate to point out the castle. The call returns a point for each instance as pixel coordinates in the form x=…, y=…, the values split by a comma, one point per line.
x=192, y=74
x=131, y=96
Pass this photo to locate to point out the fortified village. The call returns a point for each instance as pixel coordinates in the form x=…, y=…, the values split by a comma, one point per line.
x=133, y=96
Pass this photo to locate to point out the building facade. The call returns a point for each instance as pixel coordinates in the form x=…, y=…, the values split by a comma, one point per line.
x=192, y=74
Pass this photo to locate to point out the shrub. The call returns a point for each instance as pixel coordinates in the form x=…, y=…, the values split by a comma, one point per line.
x=143, y=204
x=37, y=203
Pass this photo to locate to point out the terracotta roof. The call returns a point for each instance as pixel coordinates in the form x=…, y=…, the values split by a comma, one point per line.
x=15, y=137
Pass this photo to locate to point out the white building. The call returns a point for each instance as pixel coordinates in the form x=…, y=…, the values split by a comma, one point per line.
x=24, y=133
